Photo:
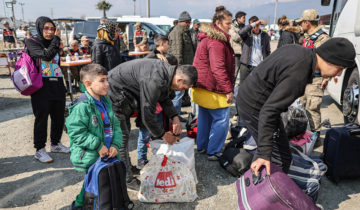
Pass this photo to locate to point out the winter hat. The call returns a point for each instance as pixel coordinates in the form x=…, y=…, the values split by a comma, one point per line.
x=196, y=21
x=338, y=51
x=109, y=27
x=184, y=16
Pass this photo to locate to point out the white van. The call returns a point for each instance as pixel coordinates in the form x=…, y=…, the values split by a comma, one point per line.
x=345, y=22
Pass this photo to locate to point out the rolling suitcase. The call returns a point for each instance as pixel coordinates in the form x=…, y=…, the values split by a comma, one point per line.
x=276, y=191
x=342, y=152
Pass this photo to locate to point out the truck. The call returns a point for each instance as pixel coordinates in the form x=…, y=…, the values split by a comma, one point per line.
x=345, y=22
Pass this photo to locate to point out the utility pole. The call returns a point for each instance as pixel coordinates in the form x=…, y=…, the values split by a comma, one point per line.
x=134, y=7
x=148, y=8
x=13, y=13
x=4, y=8
x=52, y=13
x=22, y=10
x=275, y=12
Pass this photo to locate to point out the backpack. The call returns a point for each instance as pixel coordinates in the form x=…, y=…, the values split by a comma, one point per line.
x=191, y=126
x=105, y=186
x=235, y=159
x=27, y=77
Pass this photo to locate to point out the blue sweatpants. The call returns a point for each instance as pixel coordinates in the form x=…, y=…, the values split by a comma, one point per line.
x=213, y=126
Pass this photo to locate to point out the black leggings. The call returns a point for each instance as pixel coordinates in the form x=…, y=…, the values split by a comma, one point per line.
x=42, y=108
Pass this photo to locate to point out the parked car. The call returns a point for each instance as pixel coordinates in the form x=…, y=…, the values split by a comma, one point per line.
x=89, y=29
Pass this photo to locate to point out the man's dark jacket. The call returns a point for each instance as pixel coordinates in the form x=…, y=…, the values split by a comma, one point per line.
x=148, y=81
x=247, y=44
x=272, y=87
x=105, y=54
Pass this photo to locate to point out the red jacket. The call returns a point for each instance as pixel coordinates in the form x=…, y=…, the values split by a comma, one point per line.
x=214, y=60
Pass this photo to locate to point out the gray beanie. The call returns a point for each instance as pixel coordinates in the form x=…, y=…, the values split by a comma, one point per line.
x=184, y=16
x=338, y=51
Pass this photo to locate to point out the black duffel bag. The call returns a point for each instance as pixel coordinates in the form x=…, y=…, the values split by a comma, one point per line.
x=235, y=159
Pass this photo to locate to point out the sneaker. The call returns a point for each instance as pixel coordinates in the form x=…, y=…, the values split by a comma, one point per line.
x=135, y=170
x=182, y=119
x=214, y=157
x=141, y=164
x=201, y=151
x=43, y=156
x=133, y=184
x=59, y=148
x=74, y=207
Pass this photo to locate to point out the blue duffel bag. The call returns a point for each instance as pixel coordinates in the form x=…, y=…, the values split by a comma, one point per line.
x=306, y=172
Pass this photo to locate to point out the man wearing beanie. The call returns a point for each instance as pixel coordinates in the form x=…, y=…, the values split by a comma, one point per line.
x=275, y=84
x=181, y=46
x=314, y=38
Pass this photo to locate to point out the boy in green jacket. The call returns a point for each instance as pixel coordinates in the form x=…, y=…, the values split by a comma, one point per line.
x=92, y=126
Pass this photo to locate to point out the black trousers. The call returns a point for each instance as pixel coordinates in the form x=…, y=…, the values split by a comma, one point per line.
x=237, y=65
x=245, y=70
x=42, y=108
x=281, y=154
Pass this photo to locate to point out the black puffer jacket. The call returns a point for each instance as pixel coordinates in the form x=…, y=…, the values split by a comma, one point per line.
x=105, y=54
x=148, y=81
x=288, y=35
x=272, y=87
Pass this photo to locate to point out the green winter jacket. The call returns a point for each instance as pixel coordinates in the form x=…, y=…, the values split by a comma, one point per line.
x=86, y=131
x=181, y=45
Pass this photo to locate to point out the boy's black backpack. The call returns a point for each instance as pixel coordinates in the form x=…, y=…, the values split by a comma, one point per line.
x=235, y=159
x=105, y=186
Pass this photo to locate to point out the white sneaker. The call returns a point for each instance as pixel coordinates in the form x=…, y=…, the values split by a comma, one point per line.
x=43, y=156
x=59, y=148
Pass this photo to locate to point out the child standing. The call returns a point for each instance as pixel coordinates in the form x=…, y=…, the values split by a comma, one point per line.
x=92, y=126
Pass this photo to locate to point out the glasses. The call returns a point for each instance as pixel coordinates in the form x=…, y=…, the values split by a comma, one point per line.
x=46, y=28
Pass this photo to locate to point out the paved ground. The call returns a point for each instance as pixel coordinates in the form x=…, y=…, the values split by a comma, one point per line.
x=27, y=184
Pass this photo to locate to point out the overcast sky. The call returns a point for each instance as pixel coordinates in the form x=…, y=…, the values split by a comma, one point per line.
x=197, y=8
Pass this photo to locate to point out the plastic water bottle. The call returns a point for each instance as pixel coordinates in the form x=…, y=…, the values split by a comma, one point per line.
x=68, y=59
x=76, y=56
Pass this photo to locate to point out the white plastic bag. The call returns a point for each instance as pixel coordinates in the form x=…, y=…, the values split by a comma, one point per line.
x=182, y=150
x=166, y=179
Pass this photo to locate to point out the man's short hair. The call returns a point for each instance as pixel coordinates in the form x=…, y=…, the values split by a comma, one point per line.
x=90, y=71
x=189, y=73
x=172, y=60
x=160, y=38
x=253, y=19
x=240, y=14
x=314, y=22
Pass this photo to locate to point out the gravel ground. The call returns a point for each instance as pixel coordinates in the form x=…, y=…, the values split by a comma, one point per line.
x=26, y=183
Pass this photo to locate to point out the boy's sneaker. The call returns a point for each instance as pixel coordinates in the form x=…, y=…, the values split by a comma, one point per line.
x=135, y=170
x=201, y=151
x=133, y=184
x=141, y=164
x=43, y=156
x=214, y=157
x=59, y=148
x=74, y=207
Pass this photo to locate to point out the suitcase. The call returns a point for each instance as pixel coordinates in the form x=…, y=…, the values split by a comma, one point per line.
x=276, y=191
x=342, y=152
x=105, y=186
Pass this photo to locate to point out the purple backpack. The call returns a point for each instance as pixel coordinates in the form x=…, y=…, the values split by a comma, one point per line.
x=27, y=78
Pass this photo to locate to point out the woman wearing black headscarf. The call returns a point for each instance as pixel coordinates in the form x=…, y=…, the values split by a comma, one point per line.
x=103, y=51
x=50, y=99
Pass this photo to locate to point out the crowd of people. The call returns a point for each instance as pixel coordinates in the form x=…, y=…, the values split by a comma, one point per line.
x=207, y=59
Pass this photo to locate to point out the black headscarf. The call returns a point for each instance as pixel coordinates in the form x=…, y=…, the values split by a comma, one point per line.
x=40, y=22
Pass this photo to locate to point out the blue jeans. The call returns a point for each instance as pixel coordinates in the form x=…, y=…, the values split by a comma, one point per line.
x=144, y=138
x=213, y=126
x=178, y=100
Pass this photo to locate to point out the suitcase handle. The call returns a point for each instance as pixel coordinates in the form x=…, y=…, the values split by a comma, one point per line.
x=256, y=179
x=354, y=132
